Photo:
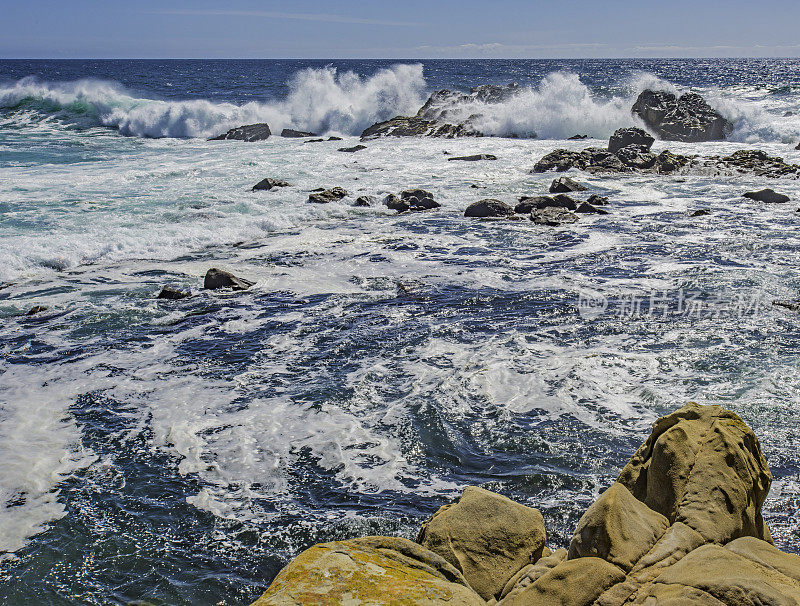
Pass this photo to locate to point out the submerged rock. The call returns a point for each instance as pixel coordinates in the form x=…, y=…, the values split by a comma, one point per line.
x=474, y=158
x=564, y=185
x=552, y=216
x=702, y=212
x=768, y=196
x=351, y=150
x=681, y=525
x=290, y=133
x=597, y=200
x=217, y=278
x=250, y=132
x=169, y=292
x=791, y=305
x=328, y=195
x=624, y=137
x=36, y=309
x=365, y=201
x=335, y=139
x=577, y=137
x=267, y=184
x=488, y=208
x=687, y=118
x=587, y=208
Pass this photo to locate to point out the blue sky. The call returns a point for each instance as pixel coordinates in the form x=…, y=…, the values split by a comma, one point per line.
x=403, y=29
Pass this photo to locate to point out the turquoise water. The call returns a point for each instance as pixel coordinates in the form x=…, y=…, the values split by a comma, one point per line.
x=180, y=452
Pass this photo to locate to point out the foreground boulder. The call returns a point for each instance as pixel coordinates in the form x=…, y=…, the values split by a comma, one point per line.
x=217, y=278
x=681, y=525
x=267, y=184
x=489, y=208
x=487, y=537
x=250, y=132
x=687, y=118
x=624, y=137
x=328, y=195
x=372, y=570
x=565, y=185
x=768, y=196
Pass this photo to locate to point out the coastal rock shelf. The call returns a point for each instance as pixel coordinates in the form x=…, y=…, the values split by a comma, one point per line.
x=681, y=525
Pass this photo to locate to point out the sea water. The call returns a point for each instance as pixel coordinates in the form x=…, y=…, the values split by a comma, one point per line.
x=180, y=452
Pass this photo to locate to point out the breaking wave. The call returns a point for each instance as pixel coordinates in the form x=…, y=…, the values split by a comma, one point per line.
x=326, y=100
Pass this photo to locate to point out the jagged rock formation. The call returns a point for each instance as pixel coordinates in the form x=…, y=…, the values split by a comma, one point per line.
x=687, y=118
x=682, y=525
x=443, y=114
x=249, y=132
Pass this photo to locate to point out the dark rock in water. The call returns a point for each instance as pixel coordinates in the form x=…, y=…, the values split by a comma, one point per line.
x=365, y=201
x=168, y=292
x=529, y=203
x=624, y=137
x=702, y=212
x=791, y=305
x=334, y=138
x=587, y=208
x=267, y=184
x=351, y=150
x=756, y=162
x=393, y=202
x=418, y=199
x=402, y=126
x=597, y=200
x=632, y=158
x=314, y=141
x=553, y=216
x=36, y=309
x=767, y=195
x=637, y=157
x=250, y=132
x=688, y=118
x=328, y=195
x=564, y=185
x=667, y=162
x=788, y=114
x=290, y=133
x=577, y=137
x=798, y=146
x=217, y=278
x=474, y=158
x=489, y=208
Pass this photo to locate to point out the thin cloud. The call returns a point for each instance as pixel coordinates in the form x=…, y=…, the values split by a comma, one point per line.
x=319, y=17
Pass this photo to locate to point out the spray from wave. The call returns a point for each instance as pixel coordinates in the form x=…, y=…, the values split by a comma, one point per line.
x=326, y=100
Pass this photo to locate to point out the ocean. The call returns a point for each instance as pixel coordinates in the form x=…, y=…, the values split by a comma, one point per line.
x=181, y=452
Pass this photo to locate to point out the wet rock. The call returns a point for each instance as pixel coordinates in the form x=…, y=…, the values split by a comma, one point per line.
x=250, y=132
x=798, y=146
x=687, y=118
x=702, y=212
x=597, y=200
x=371, y=570
x=328, y=195
x=623, y=137
x=315, y=141
x=577, y=137
x=488, y=208
x=564, y=185
x=365, y=201
x=403, y=126
x=217, y=278
x=667, y=162
x=169, y=292
x=474, y=158
x=351, y=150
x=267, y=184
x=791, y=305
x=418, y=199
x=335, y=139
x=487, y=537
x=393, y=202
x=767, y=195
x=754, y=162
x=528, y=203
x=553, y=216
x=637, y=157
x=290, y=133
x=587, y=208
x=36, y=309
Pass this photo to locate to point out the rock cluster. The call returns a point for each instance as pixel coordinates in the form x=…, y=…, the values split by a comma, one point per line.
x=686, y=118
x=681, y=525
x=250, y=132
x=442, y=114
x=328, y=195
x=411, y=200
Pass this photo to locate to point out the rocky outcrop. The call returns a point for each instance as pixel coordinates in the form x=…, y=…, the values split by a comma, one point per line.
x=474, y=158
x=327, y=195
x=553, y=216
x=681, y=525
x=624, y=137
x=565, y=185
x=267, y=184
x=445, y=114
x=686, y=118
x=590, y=209
x=290, y=133
x=768, y=196
x=36, y=309
x=172, y=293
x=250, y=132
x=352, y=150
x=488, y=208
x=365, y=201
x=217, y=278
